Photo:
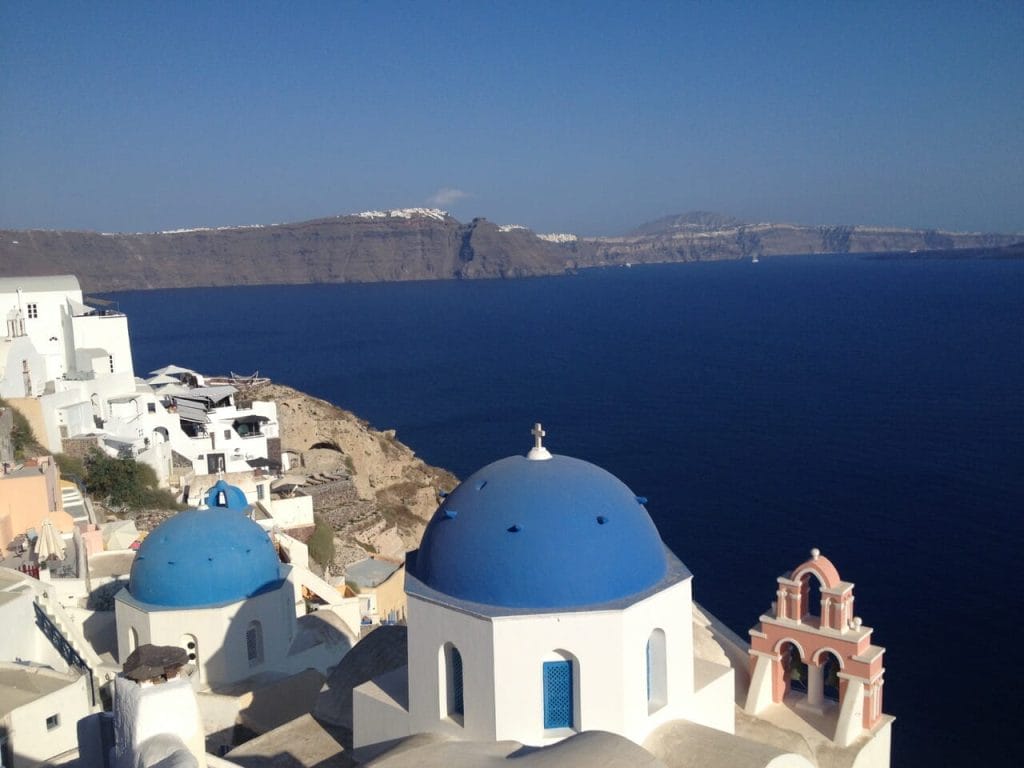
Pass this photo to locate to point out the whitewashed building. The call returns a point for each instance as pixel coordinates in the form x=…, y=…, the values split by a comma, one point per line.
x=68, y=367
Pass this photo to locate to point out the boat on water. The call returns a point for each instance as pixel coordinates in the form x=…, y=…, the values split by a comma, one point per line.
x=754, y=260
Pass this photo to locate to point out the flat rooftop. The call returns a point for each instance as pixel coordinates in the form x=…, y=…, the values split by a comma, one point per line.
x=20, y=685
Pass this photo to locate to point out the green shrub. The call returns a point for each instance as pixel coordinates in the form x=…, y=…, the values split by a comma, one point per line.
x=125, y=483
x=70, y=466
x=321, y=543
x=23, y=440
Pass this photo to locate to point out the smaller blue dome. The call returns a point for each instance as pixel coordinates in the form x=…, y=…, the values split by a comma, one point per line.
x=225, y=496
x=204, y=557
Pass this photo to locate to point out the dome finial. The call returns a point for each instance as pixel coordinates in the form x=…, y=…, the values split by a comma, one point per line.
x=538, y=452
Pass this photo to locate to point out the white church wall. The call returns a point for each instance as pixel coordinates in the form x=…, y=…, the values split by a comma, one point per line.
x=430, y=627
x=713, y=696
x=670, y=611
x=219, y=633
x=593, y=641
x=381, y=710
x=876, y=750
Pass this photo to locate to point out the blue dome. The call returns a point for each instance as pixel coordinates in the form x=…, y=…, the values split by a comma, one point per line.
x=556, y=533
x=224, y=496
x=204, y=557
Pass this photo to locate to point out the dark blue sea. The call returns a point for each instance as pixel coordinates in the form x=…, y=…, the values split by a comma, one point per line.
x=871, y=408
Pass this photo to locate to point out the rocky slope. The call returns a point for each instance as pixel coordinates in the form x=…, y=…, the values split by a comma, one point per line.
x=424, y=244
x=372, y=489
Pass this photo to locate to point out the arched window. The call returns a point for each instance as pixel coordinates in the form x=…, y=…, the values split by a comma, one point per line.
x=830, y=669
x=254, y=643
x=561, y=681
x=794, y=668
x=133, y=639
x=810, y=595
x=453, y=704
x=657, y=672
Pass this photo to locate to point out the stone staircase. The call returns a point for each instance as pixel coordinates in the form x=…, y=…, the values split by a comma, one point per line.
x=69, y=639
x=74, y=504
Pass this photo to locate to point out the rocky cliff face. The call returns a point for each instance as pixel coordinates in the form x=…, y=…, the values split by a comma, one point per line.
x=423, y=244
x=362, y=248
x=372, y=489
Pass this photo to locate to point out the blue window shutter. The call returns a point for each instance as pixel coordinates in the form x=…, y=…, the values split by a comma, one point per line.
x=649, y=670
x=458, y=708
x=558, y=704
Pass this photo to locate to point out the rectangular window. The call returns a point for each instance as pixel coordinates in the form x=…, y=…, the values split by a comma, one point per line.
x=558, y=703
x=227, y=434
x=53, y=720
x=260, y=492
x=151, y=407
x=110, y=358
x=33, y=311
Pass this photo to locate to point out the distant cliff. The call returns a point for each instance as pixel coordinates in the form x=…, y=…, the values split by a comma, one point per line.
x=423, y=244
x=390, y=246
x=703, y=236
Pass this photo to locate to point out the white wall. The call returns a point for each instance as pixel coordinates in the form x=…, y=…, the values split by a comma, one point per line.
x=47, y=329
x=219, y=632
x=30, y=739
x=21, y=351
x=430, y=627
x=109, y=333
x=144, y=711
x=292, y=512
x=29, y=644
x=503, y=657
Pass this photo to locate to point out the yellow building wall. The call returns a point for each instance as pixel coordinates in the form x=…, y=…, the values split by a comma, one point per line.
x=391, y=595
x=26, y=499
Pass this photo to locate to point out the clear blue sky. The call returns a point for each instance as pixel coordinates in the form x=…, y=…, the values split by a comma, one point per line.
x=562, y=116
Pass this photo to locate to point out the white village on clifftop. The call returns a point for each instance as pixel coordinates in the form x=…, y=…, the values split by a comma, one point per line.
x=540, y=619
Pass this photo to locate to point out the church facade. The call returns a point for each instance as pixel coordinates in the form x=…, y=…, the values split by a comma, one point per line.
x=543, y=603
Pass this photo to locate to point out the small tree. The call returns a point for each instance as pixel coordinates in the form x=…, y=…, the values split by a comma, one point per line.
x=70, y=466
x=321, y=543
x=125, y=482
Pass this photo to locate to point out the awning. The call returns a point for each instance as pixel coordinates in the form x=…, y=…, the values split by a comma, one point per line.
x=213, y=394
x=263, y=463
x=288, y=481
x=252, y=419
x=167, y=369
x=189, y=411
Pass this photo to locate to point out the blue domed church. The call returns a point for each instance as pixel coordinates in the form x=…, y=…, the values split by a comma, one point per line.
x=209, y=580
x=542, y=602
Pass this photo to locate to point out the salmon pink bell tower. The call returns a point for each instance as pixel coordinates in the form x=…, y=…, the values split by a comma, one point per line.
x=811, y=653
